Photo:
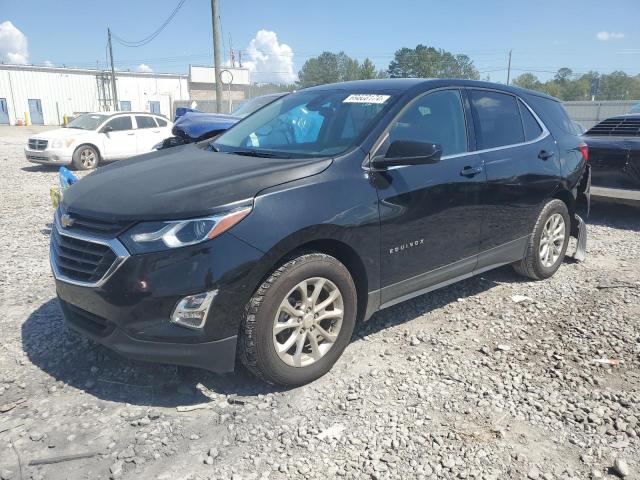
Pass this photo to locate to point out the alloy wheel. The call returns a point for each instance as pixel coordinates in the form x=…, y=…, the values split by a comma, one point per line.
x=552, y=240
x=88, y=158
x=308, y=322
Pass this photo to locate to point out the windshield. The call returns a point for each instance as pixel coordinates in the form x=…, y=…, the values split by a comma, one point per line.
x=319, y=123
x=88, y=121
x=250, y=106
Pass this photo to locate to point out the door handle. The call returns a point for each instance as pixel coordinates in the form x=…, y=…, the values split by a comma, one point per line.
x=132, y=133
x=545, y=155
x=469, y=171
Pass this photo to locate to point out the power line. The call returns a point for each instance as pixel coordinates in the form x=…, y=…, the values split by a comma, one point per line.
x=157, y=32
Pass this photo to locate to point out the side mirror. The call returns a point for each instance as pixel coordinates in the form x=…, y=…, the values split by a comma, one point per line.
x=408, y=152
x=107, y=129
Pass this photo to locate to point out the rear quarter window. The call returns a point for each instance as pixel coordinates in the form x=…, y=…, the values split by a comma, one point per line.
x=553, y=114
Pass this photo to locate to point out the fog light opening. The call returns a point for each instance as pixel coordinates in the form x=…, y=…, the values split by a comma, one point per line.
x=192, y=310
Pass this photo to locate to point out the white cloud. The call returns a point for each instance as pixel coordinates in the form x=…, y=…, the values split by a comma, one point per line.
x=13, y=44
x=605, y=36
x=144, y=68
x=270, y=61
x=48, y=63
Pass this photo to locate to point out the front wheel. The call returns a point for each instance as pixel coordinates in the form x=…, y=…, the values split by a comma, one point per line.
x=85, y=157
x=299, y=321
x=548, y=242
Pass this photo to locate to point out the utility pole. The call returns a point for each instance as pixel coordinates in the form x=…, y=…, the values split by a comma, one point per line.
x=114, y=88
x=217, y=41
x=509, y=68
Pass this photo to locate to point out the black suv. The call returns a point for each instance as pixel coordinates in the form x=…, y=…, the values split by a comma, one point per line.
x=270, y=242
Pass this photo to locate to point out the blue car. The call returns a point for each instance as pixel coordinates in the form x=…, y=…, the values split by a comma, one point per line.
x=193, y=126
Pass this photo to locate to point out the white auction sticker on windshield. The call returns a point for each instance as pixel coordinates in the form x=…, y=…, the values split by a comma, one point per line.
x=366, y=98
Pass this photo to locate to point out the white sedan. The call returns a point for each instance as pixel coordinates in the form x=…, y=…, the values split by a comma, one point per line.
x=94, y=137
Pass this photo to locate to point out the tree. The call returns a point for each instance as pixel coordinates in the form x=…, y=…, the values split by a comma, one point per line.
x=367, y=70
x=616, y=86
x=564, y=74
x=332, y=67
x=527, y=80
x=429, y=62
x=319, y=70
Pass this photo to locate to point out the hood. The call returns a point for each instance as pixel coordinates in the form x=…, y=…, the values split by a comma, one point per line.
x=194, y=125
x=181, y=182
x=61, y=133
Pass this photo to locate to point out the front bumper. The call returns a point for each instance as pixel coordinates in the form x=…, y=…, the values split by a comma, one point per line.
x=48, y=156
x=216, y=356
x=130, y=312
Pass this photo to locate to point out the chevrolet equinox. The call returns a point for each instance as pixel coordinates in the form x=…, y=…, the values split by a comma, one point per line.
x=271, y=242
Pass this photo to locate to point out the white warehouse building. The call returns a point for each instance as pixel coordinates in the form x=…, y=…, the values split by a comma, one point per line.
x=44, y=95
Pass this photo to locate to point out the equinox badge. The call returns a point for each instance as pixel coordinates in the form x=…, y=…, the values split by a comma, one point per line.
x=406, y=246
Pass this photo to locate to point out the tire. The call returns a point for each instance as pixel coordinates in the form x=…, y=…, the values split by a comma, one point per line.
x=265, y=316
x=85, y=157
x=537, y=263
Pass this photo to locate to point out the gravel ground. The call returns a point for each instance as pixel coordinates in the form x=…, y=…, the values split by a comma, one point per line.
x=491, y=378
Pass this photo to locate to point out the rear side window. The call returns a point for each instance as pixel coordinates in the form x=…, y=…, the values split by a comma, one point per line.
x=120, y=123
x=532, y=129
x=161, y=122
x=145, y=122
x=436, y=117
x=497, y=119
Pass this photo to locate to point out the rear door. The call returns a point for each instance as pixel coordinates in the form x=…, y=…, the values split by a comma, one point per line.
x=522, y=168
x=118, y=138
x=148, y=133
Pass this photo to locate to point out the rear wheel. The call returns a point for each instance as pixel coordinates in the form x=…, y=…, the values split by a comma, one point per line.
x=548, y=242
x=85, y=157
x=299, y=321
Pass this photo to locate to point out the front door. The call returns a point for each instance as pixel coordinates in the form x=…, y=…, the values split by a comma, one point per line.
x=118, y=138
x=4, y=112
x=522, y=164
x=35, y=111
x=430, y=214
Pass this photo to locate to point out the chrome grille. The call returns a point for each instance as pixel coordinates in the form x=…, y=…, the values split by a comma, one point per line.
x=37, y=144
x=81, y=260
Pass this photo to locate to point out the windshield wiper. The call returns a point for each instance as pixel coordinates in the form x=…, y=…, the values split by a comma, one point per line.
x=257, y=153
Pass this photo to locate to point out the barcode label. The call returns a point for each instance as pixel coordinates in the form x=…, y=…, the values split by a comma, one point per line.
x=366, y=98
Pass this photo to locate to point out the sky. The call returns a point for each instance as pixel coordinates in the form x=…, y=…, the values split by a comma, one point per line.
x=277, y=36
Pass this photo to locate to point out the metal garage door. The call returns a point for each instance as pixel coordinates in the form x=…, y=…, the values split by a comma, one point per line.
x=35, y=111
x=4, y=112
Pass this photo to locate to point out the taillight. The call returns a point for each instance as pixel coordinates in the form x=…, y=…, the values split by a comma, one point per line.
x=584, y=150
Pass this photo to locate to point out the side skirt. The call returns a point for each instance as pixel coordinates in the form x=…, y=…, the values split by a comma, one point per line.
x=441, y=277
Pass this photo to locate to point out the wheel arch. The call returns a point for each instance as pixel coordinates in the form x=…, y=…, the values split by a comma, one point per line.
x=337, y=248
x=569, y=199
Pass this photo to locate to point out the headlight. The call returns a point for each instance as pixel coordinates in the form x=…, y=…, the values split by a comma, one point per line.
x=157, y=236
x=61, y=143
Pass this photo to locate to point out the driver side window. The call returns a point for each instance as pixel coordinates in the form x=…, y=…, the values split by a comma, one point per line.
x=120, y=123
x=436, y=117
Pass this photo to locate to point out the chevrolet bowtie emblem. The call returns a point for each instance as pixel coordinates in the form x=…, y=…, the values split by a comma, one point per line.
x=66, y=221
